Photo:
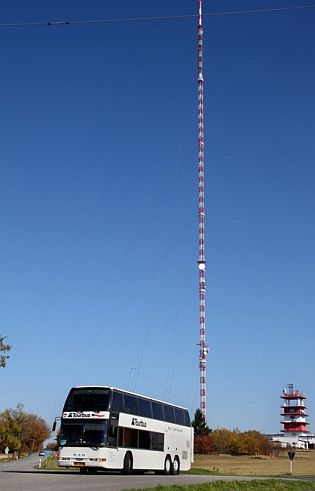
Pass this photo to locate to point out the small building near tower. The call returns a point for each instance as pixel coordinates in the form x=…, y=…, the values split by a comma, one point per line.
x=295, y=427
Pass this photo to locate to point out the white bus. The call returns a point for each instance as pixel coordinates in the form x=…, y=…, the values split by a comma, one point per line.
x=107, y=428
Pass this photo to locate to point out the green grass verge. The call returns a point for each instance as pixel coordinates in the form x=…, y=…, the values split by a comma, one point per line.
x=48, y=463
x=196, y=471
x=265, y=485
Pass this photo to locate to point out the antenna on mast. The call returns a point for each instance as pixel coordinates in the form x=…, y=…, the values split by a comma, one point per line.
x=201, y=261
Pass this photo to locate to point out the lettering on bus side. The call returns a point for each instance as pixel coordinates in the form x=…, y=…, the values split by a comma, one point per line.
x=138, y=422
x=173, y=428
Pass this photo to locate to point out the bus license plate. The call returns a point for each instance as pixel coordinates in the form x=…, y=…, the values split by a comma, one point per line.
x=79, y=464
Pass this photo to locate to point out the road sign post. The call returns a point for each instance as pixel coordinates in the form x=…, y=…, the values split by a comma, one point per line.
x=291, y=457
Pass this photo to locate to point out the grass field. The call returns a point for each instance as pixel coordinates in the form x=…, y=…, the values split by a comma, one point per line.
x=303, y=465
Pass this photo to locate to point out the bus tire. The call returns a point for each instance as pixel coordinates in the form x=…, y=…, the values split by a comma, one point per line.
x=167, y=465
x=127, y=468
x=175, y=466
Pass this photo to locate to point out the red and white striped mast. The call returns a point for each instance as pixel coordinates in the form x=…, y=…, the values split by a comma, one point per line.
x=201, y=260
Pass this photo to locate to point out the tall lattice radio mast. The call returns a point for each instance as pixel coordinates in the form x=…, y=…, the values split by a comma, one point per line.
x=201, y=261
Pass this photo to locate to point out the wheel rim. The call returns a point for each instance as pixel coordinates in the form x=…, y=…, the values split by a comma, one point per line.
x=176, y=466
x=167, y=465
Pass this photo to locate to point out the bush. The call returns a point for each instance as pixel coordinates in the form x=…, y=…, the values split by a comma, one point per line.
x=233, y=442
x=203, y=444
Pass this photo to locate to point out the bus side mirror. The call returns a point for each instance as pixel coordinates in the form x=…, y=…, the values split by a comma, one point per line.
x=54, y=426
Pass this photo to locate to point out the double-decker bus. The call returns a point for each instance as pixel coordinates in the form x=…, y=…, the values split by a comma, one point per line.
x=108, y=428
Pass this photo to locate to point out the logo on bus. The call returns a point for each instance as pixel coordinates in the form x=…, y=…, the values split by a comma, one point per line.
x=137, y=422
x=83, y=415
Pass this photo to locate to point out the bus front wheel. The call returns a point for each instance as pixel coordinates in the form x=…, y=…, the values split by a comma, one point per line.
x=127, y=468
x=167, y=465
x=175, y=466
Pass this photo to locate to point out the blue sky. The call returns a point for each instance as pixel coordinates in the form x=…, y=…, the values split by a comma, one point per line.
x=99, y=205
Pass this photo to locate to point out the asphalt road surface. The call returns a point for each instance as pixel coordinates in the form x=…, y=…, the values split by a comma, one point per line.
x=21, y=476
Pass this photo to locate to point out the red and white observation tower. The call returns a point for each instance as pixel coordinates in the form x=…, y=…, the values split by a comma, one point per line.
x=293, y=412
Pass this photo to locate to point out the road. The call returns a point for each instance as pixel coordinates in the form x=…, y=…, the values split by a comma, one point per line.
x=21, y=475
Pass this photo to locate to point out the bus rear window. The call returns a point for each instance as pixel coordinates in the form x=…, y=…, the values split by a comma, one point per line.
x=87, y=399
x=187, y=419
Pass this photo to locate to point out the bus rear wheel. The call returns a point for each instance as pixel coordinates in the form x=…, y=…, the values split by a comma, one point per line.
x=127, y=468
x=175, y=466
x=167, y=466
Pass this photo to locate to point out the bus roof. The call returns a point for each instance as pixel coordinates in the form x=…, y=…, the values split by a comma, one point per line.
x=126, y=392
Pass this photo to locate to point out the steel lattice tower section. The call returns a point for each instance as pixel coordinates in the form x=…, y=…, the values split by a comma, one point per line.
x=201, y=260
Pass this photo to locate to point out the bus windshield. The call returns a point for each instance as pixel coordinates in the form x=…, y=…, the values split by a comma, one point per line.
x=88, y=399
x=85, y=433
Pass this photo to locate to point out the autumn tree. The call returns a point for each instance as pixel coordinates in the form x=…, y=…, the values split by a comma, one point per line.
x=22, y=431
x=9, y=431
x=34, y=432
x=4, y=348
x=223, y=440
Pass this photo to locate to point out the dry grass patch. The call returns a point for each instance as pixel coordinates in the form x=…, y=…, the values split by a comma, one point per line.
x=303, y=464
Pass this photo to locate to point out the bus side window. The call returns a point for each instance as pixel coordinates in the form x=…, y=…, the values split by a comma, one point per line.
x=169, y=414
x=157, y=441
x=144, y=439
x=112, y=436
x=120, y=437
x=157, y=411
x=179, y=416
x=117, y=404
x=130, y=438
x=131, y=404
x=145, y=408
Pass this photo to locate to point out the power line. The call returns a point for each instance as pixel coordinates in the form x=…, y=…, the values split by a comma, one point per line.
x=152, y=18
x=262, y=11
x=120, y=307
